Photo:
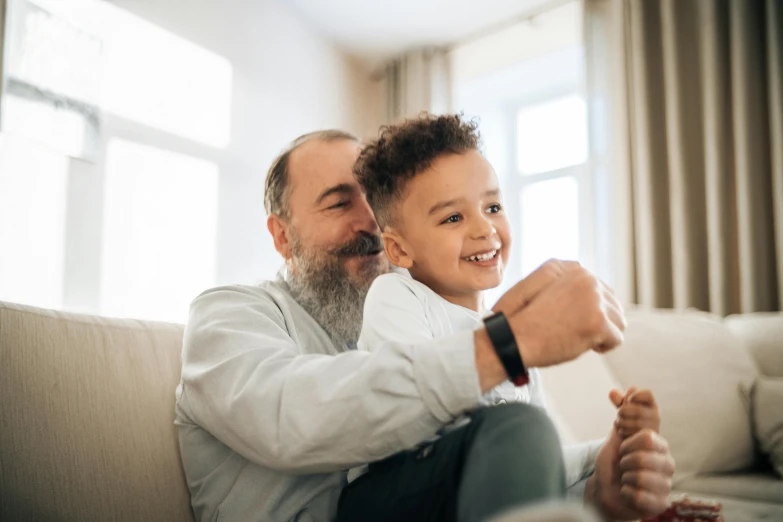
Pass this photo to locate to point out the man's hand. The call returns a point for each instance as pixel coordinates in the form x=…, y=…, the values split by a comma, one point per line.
x=556, y=313
x=633, y=477
x=520, y=295
x=560, y=311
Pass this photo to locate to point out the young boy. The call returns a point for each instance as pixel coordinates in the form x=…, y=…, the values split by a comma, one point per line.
x=439, y=206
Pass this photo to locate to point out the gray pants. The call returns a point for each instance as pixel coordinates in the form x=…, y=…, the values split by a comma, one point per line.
x=506, y=457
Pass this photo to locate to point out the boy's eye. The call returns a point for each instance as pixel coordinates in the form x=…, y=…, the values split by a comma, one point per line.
x=452, y=219
x=494, y=209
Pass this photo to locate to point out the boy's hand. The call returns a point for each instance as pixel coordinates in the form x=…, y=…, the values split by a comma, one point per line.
x=636, y=410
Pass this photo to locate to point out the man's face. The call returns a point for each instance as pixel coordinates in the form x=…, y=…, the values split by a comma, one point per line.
x=331, y=223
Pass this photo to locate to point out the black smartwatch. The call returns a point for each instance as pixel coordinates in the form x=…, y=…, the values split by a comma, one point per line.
x=506, y=347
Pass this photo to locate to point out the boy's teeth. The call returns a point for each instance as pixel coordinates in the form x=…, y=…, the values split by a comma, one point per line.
x=483, y=257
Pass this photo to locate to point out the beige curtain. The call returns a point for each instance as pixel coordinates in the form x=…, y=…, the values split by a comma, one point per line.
x=686, y=108
x=415, y=82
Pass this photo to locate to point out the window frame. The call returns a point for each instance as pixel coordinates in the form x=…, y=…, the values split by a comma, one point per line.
x=516, y=182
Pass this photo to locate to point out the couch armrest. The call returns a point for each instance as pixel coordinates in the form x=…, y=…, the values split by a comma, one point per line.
x=762, y=335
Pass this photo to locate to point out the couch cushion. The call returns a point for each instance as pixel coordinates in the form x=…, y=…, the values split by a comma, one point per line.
x=696, y=367
x=87, y=418
x=762, y=335
x=767, y=412
x=578, y=397
x=759, y=486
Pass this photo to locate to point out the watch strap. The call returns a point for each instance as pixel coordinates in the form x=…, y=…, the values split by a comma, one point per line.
x=502, y=338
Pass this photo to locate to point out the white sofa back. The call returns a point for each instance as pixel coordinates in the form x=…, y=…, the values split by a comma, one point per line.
x=698, y=365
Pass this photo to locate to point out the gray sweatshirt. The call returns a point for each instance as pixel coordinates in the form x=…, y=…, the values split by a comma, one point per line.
x=271, y=413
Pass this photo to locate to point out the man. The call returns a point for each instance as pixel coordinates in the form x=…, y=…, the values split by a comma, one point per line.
x=274, y=404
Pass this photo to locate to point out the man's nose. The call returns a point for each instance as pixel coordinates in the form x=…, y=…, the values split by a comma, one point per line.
x=364, y=219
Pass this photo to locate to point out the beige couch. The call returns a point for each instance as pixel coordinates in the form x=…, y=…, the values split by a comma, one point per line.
x=86, y=422
x=701, y=368
x=86, y=430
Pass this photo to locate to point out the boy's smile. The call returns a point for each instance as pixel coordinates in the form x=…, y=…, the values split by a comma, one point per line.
x=489, y=258
x=452, y=233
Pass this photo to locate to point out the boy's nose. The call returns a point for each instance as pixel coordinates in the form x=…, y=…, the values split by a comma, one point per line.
x=483, y=228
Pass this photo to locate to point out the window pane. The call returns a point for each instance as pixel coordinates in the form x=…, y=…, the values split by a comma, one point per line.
x=53, y=81
x=161, y=80
x=550, y=222
x=102, y=54
x=32, y=222
x=551, y=135
x=160, y=220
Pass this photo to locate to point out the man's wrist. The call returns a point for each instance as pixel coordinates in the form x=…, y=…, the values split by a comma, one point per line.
x=525, y=343
x=490, y=370
x=505, y=344
x=592, y=496
x=593, y=499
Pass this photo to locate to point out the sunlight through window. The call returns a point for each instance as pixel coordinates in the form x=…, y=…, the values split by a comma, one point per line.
x=153, y=77
x=160, y=220
x=32, y=222
x=552, y=135
x=62, y=129
x=550, y=222
x=52, y=81
x=158, y=79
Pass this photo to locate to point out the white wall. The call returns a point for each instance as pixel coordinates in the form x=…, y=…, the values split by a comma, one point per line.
x=285, y=80
x=550, y=31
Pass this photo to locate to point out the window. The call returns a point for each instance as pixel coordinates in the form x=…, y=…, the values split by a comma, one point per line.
x=549, y=221
x=52, y=80
x=550, y=180
x=551, y=135
x=159, y=233
x=32, y=222
x=113, y=132
x=528, y=98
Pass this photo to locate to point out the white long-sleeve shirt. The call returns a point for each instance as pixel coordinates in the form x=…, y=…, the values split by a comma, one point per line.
x=400, y=309
x=270, y=412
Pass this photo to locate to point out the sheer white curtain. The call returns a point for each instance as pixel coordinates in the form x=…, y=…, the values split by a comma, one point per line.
x=417, y=81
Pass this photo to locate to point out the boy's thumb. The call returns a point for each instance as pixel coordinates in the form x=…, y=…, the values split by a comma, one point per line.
x=616, y=397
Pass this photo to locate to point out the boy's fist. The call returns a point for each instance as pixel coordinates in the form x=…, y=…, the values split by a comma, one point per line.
x=636, y=410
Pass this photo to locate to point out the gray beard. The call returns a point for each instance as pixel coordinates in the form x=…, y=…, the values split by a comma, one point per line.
x=324, y=288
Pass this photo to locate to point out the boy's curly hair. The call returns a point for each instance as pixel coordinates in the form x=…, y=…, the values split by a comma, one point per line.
x=403, y=150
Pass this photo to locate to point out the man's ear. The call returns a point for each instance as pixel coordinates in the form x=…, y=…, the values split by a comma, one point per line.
x=396, y=249
x=279, y=230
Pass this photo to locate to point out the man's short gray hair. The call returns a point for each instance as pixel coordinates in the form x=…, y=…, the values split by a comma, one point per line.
x=276, y=187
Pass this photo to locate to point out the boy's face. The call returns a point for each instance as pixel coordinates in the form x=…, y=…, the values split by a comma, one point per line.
x=449, y=214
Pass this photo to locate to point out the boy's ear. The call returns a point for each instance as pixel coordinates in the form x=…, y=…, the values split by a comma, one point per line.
x=396, y=250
